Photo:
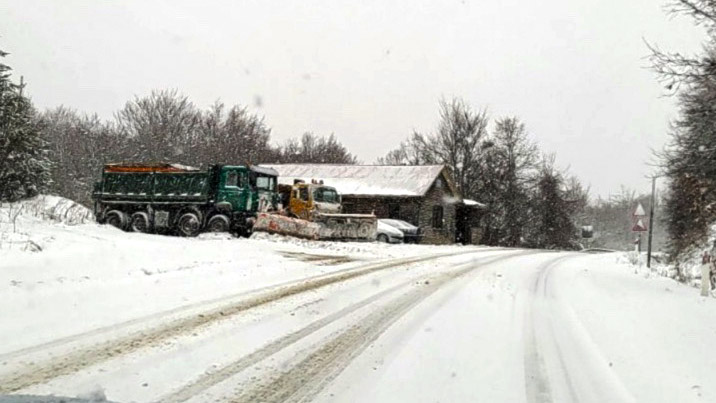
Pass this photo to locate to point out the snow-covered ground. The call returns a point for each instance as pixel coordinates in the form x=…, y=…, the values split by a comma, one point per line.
x=92, y=311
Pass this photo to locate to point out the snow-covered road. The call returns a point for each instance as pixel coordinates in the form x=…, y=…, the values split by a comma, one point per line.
x=172, y=320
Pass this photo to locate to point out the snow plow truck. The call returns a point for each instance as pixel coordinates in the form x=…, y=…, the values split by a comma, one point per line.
x=176, y=199
x=313, y=210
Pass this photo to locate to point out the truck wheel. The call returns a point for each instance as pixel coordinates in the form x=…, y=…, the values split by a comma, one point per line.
x=117, y=219
x=218, y=223
x=188, y=225
x=382, y=238
x=140, y=222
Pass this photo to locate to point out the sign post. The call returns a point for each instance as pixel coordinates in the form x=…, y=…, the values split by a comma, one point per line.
x=639, y=225
x=651, y=220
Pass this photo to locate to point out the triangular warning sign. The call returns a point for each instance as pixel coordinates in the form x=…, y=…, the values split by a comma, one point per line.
x=639, y=226
x=639, y=212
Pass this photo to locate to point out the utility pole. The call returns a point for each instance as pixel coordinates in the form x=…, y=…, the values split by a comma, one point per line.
x=22, y=84
x=651, y=220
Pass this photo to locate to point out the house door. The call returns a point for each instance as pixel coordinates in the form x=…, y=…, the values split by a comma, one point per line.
x=462, y=225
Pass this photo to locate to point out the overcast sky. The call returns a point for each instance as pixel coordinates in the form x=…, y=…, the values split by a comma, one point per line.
x=371, y=72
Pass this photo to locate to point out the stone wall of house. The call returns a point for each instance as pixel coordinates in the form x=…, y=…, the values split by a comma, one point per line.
x=405, y=207
x=438, y=196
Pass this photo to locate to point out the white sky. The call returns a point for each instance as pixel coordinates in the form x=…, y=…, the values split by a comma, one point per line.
x=371, y=72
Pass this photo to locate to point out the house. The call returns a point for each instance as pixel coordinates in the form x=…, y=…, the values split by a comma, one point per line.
x=423, y=195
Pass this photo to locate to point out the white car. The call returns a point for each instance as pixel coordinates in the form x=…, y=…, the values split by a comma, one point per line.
x=388, y=234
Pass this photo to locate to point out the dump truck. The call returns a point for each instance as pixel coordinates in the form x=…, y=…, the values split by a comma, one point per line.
x=172, y=198
x=313, y=210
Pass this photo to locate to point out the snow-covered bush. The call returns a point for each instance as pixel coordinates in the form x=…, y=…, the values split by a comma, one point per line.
x=45, y=208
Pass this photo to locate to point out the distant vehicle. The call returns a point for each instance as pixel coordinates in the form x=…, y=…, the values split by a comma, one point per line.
x=411, y=233
x=388, y=233
x=172, y=198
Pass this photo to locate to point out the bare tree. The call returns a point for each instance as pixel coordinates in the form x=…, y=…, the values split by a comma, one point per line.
x=233, y=136
x=456, y=143
x=409, y=152
x=517, y=161
x=688, y=160
x=314, y=149
x=161, y=126
x=675, y=69
x=79, y=146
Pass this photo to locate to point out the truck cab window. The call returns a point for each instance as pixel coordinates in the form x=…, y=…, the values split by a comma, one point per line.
x=263, y=182
x=326, y=195
x=303, y=194
x=232, y=179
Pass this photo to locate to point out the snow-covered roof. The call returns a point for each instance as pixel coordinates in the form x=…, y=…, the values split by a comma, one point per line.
x=364, y=180
x=264, y=170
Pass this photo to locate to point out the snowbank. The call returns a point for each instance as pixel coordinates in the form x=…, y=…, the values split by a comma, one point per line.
x=19, y=221
x=47, y=208
x=58, y=279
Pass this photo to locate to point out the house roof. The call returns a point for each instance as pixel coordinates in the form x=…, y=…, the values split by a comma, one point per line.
x=364, y=180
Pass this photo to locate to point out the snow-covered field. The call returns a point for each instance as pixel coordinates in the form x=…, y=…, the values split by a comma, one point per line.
x=87, y=310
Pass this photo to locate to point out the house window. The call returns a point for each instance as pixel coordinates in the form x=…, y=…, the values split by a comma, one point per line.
x=394, y=210
x=437, y=216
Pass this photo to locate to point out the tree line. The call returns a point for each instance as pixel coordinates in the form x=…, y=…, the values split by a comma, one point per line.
x=62, y=151
x=689, y=160
x=529, y=201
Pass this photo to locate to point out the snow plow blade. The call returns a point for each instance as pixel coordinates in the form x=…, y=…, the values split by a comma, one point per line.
x=279, y=224
x=335, y=227
x=347, y=227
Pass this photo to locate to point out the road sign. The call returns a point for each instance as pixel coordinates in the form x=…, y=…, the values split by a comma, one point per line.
x=639, y=212
x=639, y=226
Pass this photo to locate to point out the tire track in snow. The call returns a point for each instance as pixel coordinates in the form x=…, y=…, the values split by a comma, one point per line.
x=552, y=331
x=204, y=382
x=34, y=373
x=537, y=386
x=308, y=377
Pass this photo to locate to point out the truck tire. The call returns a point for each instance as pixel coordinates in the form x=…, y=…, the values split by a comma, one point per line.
x=218, y=223
x=140, y=222
x=188, y=225
x=117, y=219
x=383, y=238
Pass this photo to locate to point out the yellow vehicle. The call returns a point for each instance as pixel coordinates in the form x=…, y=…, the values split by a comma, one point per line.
x=313, y=210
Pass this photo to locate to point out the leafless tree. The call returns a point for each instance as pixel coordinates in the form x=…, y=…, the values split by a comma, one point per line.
x=79, y=146
x=232, y=136
x=161, y=127
x=314, y=149
x=675, y=69
x=517, y=157
x=456, y=143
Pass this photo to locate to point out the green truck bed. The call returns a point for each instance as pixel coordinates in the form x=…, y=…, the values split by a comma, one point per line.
x=155, y=187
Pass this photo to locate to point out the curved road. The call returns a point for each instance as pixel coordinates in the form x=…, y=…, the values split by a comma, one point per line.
x=481, y=325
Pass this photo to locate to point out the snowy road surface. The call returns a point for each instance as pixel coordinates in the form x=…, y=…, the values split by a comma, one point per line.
x=142, y=318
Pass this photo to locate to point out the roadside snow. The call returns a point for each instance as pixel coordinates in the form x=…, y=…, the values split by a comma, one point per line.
x=62, y=274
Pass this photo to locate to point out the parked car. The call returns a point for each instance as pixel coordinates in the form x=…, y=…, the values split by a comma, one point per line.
x=411, y=233
x=388, y=233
